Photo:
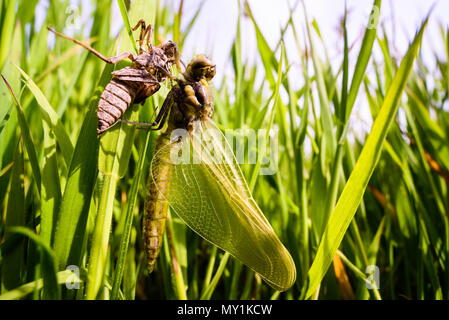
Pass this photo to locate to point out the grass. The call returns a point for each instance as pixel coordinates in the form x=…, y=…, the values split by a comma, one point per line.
x=69, y=199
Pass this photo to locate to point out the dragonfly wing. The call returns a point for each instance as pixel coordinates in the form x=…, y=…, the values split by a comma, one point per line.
x=209, y=193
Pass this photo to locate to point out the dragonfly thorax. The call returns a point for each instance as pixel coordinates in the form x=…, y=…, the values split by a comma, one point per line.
x=194, y=103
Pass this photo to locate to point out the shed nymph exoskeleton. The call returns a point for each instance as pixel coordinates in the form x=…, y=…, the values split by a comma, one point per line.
x=133, y=84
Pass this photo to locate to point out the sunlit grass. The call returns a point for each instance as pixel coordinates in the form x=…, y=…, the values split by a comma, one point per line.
x=340, y=209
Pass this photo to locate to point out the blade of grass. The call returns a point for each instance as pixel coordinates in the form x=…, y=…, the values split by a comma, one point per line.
x=62, y=107
x=255, y=172
x=177, y=23
x=73, y=214
x=51, y=289
x=5, y=169
x=238, y=70
x=51, y=187
x=190, y=25
x=177, y=276
x=328, y=142
x=112, y=163
x=362, y=60
x=221, y=267
x=366, y=163
x=27, y=139
x=268, y=59
x=63, y=277
x=13, y=264
x=210, y=269
x=347, y=105
x=300, y=178
x=55, y=64
x=344, y=86
x=51, y=117
x=6, y=117
x=236, y=272
x=124, y=13
x=7, y=31
x=129, y=221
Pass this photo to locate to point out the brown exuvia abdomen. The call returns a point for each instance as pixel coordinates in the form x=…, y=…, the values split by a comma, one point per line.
x=117, y=96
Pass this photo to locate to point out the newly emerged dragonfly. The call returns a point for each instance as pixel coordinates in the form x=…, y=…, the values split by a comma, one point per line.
x=195, y=172
x=133, y=84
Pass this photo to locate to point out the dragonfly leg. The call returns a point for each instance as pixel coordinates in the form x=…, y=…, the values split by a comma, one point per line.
x=112, y=60
x=178, y=61
x=142, y=124
x=143, y=31
x=165, y=71
x=154, y=126
x=149, y=36
x=121, y=56
x=181, y=62
x=157, y=124
x=141, y=22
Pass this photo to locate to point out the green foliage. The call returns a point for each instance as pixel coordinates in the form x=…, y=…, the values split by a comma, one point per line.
x=68, y=198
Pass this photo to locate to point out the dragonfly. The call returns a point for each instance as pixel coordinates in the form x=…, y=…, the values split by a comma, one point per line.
x=205, y=186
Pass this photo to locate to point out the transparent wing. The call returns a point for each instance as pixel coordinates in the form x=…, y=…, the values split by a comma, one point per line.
x=209, y=193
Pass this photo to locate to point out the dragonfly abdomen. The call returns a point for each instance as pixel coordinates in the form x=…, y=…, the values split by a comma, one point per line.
x=156, y=204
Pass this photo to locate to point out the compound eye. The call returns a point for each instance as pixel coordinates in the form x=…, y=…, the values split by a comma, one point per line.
x=200, y=67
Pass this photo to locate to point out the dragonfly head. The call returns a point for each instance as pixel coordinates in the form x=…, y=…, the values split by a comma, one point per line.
x=170, y=50
x=200, y=68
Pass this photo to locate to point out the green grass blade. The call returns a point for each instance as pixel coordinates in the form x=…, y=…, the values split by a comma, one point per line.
x=4, y=170
x=221, y=267
x=5, y=119
x=51, y=289
x=177, y=276
x=210, y=269
x=100, y=236
x=436, y=135
x=21, y=292
x=176, y=29
x=13, y=264
x=355, y=187
x=268, y=59
x=113, y=161
x=51, y=117
x=236, y=53
x=1, y=10
x=7, y=31
x=124, y=13
x=72, y=218
x=256, y=169
x=123, y=250
x=328, y=141
x=344, y=87
x=363, y=58
x=190, y=25
x=447, y=59
x=51, y=187
x=27, y=139
x=78, y=72
x=300, y=178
